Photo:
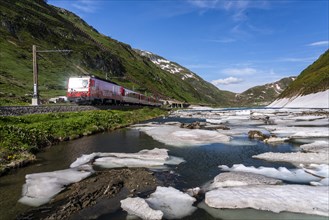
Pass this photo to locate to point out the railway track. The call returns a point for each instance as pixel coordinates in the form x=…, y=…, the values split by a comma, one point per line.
x=25, y=110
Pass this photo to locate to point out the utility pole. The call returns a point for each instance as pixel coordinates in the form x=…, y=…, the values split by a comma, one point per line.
x=35, y=98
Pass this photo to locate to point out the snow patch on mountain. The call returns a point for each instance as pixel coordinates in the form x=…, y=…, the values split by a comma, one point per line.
x=314, y=100
x=168, y=65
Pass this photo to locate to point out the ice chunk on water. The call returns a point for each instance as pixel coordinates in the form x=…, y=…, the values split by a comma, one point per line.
x=85, y=158
x=323, y=182
x=294, y=175
x=295, y=157
x=275, y=198
x=41, y=187
x=241, y=179
x=175, y=136
x=214, y=121
x=254, y=214
x=173, y=203
x=138, y=206
x=316, y=147
x=113, y=162
x=144, y=158
x=321, y=170
x=155, y=154
x=275, y=140
x=300, y=132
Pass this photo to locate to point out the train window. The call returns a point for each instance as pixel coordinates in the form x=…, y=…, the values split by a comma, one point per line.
x=78, y=83
x=84, y=83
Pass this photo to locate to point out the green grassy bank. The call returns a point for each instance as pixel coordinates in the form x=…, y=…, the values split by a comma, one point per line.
x=21, y=137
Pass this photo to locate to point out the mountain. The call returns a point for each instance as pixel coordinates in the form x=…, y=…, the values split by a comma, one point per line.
x=211, y=93
x=310, y=89
x=24, y=23
x=264, y=94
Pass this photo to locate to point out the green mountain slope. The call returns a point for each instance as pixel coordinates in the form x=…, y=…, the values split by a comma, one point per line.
x=315, y=78
x=24, y=23
x=264, y=94
x=210, y=93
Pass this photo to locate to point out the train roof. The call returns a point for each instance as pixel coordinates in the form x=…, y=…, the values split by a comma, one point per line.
x=96, y=77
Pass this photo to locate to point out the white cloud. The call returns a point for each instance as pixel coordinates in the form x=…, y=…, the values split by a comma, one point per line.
x=237, y=7
x=245, y=77
x=204, y=4
x=298, y=59
x=227, y=81
x=319, y=43
x=223, y=41
x=87, y=6
x=239, y=71
x=200, y=66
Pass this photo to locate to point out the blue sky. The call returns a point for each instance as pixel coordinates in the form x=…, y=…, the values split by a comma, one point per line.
x=235, y=44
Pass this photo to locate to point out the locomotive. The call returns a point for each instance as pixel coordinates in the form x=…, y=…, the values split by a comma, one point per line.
x=94, y=90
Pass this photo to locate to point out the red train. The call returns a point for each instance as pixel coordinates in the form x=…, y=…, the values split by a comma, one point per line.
x=93, y=90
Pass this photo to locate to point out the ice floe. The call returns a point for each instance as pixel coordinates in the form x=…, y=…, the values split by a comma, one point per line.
x=139, y=207
x=282, y=173
x=254, y=214
x=275, y=198
x=241, y=179
x=295, y=157
x=173, y=203
x=176, y=136
x=166, y=202
x=298, y=132
x=41, y=187
x=316, y=147
x=145, y=158
x=86, y=158
x=275, y=140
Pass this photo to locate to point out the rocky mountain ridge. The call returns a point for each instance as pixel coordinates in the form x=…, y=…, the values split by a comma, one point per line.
x=264, y=94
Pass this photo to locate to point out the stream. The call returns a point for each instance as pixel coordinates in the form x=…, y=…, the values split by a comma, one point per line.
x=200, y=167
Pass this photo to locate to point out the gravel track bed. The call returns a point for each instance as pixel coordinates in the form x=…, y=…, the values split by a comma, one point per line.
x=25, y=110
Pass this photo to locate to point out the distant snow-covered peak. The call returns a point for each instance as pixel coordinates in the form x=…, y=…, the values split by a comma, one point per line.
x=167, y=65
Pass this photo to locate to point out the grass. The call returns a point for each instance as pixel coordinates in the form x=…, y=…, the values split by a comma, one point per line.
x=314, y=78
x=28, y=134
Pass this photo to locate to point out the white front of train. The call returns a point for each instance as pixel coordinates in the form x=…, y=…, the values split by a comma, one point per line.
x=78, y=89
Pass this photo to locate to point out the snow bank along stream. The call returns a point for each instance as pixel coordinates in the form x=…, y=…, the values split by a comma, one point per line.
x=274, y=189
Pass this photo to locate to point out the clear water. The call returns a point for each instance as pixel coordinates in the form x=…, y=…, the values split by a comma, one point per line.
x=200, y=167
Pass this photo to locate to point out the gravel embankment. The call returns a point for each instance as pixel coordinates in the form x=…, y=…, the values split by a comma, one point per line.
x=24, y=110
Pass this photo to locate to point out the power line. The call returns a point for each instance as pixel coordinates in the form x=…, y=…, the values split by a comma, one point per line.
x=35, y=99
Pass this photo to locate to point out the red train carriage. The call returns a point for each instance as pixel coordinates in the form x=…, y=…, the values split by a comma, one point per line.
x=93, y=90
